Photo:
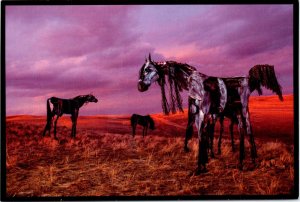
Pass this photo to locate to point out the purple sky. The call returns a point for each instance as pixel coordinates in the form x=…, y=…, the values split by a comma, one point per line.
x=66, y=51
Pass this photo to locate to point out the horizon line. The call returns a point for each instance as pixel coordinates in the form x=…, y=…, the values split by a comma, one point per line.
x=154, y=113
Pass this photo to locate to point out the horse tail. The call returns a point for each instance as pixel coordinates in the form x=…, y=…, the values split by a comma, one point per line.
x=264, y=75
x=48, y=110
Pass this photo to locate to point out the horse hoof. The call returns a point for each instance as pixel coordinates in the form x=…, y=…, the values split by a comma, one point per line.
x=252, y=167
x=199, y=171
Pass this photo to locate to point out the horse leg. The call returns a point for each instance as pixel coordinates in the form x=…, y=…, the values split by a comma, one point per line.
x=242, y=147
x=73, y=133
x=246, y=114
x=48, y=124
x=221, y=133
x=133, y=129
x=202, y=144
x=202, y=123
x=231, y=134
x=203, y=149
x=47, y=127
x=74, y=123
x=245, y=93
x=189, y=128
x=249, y=132
x=72, y=120
x=212, y=119
x=146, y=129
x=188, y=135
x=49, y=117
x=55, y=123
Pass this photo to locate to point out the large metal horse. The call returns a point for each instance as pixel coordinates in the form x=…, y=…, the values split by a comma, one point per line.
x=209, y=97
x=66, y=106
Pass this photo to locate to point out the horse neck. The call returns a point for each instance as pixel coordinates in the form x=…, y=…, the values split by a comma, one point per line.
x=80, y=100
x=178, y=72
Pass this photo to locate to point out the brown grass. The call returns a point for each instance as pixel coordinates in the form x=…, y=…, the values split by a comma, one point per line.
x=105, y=160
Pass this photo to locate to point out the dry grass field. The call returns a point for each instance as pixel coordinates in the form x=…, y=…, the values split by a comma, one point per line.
x=105, y=160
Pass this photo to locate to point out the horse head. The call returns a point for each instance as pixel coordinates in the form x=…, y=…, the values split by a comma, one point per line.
x=151, y=122
x=148, y=74
x=91, y=98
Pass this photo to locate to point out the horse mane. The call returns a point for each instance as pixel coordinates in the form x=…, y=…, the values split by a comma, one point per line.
x=177, y=74
x=164, y=101
x=81, y=97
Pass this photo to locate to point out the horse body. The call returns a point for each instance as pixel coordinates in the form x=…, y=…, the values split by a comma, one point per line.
x=145, y=121
x=65, y=106
x=209, y=97
x=237, y=91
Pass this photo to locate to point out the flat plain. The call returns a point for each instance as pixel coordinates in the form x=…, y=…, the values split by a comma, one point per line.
x=106, y=160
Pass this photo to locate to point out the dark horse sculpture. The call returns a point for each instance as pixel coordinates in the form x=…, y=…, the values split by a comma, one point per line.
x=209, y=97
x=145, y=121
x=66, y=106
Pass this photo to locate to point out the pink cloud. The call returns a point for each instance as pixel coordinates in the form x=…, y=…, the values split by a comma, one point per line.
x=69, y=50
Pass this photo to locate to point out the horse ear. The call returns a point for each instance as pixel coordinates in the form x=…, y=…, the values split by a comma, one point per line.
x=149, y=57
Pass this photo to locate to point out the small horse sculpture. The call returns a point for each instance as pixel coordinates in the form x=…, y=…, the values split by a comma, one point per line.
x=145, y=121
x=208, y=98
x=66, y=106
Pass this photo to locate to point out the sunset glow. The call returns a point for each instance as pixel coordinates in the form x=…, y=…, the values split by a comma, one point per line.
x=66, y=51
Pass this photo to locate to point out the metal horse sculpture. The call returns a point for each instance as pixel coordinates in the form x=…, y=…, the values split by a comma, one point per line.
x=145, y=121
x=66, y=106
x=209, y=97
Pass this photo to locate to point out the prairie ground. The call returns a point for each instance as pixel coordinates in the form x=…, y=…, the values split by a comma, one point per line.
x=105, y=160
